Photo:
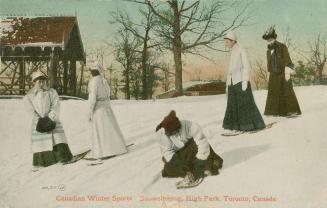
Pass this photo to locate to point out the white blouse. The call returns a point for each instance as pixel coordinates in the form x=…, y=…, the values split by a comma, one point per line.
x=169, y=145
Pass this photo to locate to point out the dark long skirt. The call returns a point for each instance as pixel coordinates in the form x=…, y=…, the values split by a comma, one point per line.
x=184, y=159
x=60, y=153
x=242, y=113
x=281, y=99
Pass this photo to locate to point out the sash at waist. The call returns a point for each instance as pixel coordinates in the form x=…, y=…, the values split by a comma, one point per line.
x=103, y=103
x=102, y=99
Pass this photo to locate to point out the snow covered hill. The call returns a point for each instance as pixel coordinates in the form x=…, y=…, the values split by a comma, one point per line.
x=284, y=165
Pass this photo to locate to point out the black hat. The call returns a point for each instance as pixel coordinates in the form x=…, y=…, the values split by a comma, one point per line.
x=270, y=33
x=170, y=123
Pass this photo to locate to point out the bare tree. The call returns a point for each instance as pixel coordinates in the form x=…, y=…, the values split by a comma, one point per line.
x=142, y=31
x=153, y=73
x=318, y=57
x=135, y=80
x=125, y=48
x=114, y=87
x=188, y=27
x=165, y=75
x=99, y=53
x=315, y=57
x=113, y=81
x=260, y=75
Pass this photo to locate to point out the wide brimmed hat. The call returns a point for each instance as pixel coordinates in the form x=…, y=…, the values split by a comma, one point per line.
x=170, y=123
x=231, y=36
x=270, y=33
x=38, y=75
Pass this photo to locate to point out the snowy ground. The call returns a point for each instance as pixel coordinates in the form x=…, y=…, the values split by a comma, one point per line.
x=286, y=162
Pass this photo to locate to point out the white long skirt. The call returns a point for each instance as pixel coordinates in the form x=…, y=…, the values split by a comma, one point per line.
x=107, y=138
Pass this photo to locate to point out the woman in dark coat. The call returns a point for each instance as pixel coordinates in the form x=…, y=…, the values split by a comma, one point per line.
x=281, y=99
x=186, y=151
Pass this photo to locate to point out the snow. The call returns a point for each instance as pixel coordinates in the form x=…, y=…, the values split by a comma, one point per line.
x=193, y=83
x=41, y=44
x=286, y=162
x=5, y=27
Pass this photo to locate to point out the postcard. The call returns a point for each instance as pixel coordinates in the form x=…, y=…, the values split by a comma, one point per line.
x=163, y=103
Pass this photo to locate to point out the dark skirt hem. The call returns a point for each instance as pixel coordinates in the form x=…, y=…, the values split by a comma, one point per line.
x=281, y=98
x=242, y=113
x=60, y=153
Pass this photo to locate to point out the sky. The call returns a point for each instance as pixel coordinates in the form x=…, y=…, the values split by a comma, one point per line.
x=304, y=18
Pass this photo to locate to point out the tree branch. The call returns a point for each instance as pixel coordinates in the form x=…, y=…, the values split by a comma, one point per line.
x=157, y=13
x=189, y=7
x=193, y=12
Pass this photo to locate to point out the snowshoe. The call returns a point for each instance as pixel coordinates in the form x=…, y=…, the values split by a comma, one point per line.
x=96, y=162
x=268, y=126
x=232, y=133
x=76, y=158
x=189, y=181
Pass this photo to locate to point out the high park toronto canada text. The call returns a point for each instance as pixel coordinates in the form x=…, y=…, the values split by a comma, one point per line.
x=142, y=198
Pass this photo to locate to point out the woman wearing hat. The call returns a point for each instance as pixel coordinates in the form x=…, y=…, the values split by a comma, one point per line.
x=241, y=113
x=186, y=151
x=107, y=138
x=48, y=146
x=281, y=99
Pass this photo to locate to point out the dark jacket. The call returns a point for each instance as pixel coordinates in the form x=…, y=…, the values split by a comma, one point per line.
x=282, y=58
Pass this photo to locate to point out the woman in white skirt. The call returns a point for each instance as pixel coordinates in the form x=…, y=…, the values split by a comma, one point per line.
x=107, y=138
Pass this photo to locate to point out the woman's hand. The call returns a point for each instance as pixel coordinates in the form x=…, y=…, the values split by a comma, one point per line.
x=90, y=116
x=244, y=85
x=288, y=73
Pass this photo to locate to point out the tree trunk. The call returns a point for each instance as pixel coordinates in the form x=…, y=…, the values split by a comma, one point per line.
x=127, y=86
x=177, y=49
x=144, y=67
x=166, y=80
x=178, y=71
x=127, y=81
x=320, y=70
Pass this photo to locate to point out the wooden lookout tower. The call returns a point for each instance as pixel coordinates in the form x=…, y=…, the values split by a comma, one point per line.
x=50, y=44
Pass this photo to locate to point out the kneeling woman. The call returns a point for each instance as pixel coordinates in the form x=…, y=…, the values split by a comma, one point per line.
x=186, y=151
x=48, y=147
